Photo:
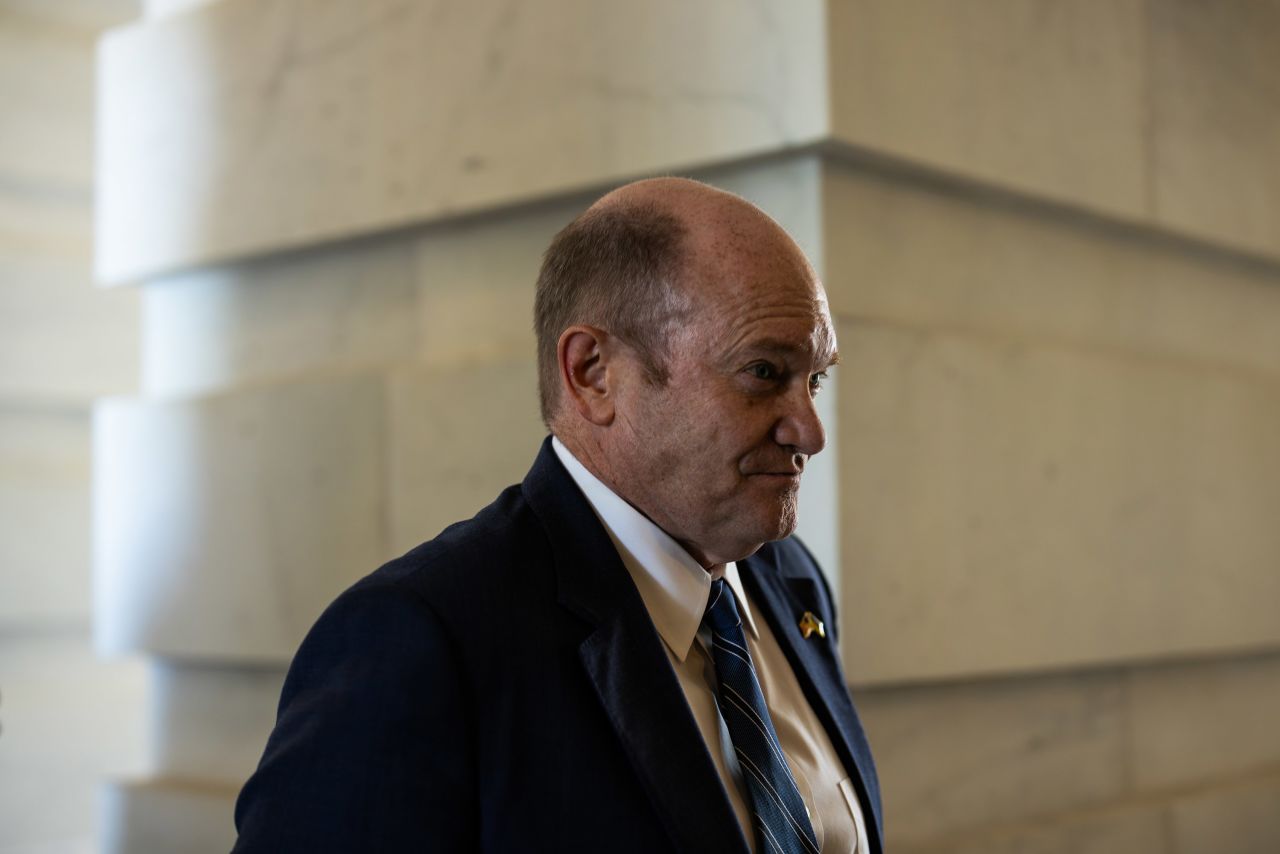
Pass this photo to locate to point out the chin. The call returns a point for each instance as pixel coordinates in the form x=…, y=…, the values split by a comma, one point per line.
x=778, y=528
x=761, y=524
x=784, y=522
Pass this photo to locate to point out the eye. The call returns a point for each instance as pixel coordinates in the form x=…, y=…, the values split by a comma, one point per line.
x=762, y=371
x=816, y=382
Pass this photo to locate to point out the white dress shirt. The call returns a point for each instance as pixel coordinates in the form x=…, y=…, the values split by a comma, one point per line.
x=675, y=589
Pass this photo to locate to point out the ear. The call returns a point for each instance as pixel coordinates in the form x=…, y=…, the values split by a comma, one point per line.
x=583, y=353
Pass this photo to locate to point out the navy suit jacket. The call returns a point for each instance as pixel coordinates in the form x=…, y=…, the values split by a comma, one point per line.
x=502, y=688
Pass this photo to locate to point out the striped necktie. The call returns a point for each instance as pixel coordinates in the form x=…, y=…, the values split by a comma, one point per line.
x=778, y=812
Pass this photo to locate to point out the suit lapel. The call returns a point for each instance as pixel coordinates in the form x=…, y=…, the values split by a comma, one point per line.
x=783, y=600
x=627, y=663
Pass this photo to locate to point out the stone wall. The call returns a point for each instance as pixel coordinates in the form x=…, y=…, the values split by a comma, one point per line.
x=1051, y=236
x=66, y=719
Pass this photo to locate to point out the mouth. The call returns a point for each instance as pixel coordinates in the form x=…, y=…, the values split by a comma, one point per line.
x=789, y=470
x=778, y=475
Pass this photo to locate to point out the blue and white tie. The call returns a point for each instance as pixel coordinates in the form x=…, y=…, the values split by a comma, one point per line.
x=781, y=822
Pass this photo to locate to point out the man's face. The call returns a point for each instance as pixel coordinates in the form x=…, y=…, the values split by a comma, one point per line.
x=714, y=457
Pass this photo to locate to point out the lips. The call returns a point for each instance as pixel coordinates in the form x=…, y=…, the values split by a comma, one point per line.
x=784, y=470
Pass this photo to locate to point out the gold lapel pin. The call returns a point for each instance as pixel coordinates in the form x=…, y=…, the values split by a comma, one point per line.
x=810, y=624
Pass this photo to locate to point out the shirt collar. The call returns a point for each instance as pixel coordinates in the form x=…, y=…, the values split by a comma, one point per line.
x=674, y=587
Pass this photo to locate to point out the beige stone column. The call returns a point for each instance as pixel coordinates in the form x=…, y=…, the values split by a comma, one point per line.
x=1048, y=503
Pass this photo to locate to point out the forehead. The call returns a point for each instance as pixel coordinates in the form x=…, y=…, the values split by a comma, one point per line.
x=750, y=285
x=786, y=326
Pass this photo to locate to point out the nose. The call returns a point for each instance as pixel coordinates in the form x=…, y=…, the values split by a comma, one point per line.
x=799, y=426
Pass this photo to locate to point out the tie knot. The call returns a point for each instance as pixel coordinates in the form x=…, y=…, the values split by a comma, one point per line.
x=722, y=613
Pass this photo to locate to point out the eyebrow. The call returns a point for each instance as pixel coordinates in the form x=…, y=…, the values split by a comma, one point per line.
x=779, y=345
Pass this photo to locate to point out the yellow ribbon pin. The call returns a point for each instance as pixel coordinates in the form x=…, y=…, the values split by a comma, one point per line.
x=810, y=624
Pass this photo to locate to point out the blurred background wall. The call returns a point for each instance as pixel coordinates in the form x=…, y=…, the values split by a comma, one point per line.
x=67, y=720
x=1050, y=232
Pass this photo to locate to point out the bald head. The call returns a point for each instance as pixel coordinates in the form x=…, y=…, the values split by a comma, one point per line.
x=684, y=197
x=718, y=224
x=632, y=262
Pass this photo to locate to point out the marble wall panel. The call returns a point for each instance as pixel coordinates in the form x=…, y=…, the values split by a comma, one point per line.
x=1124, y=830
x=476, y=282
x=67, y=719
x=239, y=128
x=224, y=524
x=1009, y=506
x=956, y=758
x=45, y=145
x=211, y=722
x=457, y=437
x=61, y=341
x=1216, y=120
x=900, y=251
x=46, y=86
x=1043, y=97
x=162, y=816
x=44, y=518
x=1243, y=819
x=42, y=221
x=1205, y=720
x=86, y=15
x=162, y=8
x=340, y=307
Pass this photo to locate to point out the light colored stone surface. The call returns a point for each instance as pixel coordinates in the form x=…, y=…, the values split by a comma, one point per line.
x=1205, y=720
x=901, y=252
x=476, y=282
x=458, y=436
x=1215, y=120
x=163, y=816
x=1242, y=820
x=44, y=518
x=47, y=90
x=955, y=758
x=61, y=341
x=1041, y=96
x=78, y=14
x=223, y=525
x=66, y=720
x=339, y=307
x=1124, y=830
x=163, y=8
x=1010, y=506
x=330, y=120
x=211, y=722
x=43, y=221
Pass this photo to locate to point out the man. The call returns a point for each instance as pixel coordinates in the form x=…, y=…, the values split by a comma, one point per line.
x=627, y=651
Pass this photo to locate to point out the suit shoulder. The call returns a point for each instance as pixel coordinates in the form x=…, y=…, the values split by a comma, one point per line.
x=472, y=554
